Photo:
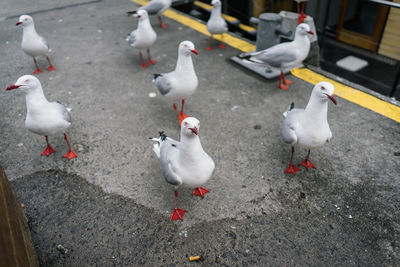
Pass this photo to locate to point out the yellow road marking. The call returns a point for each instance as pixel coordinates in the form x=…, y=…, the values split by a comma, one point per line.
x=363, y=99
x=358, y=97
x=247, y=28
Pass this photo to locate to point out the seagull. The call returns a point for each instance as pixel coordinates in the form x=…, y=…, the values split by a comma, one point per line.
x=182, y=82
x=143, y=37
x=284, y=55
x=216, y=24
x=184, y=162
x=301, y=5
x=43, y=117
x=155, y=7
x=32, y=43
x=308, y=127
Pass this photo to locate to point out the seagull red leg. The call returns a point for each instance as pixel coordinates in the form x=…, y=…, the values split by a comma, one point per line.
x=281, y=85
x=292, y=168
x=37, y=71
x=200, y=191
x=48, y=150
x=150, y=60
x=177, y=214
x=182, y=115
x=70, y=154
x=307, y=163
x=285, y=81
x=209, y=47
x=143, y=64
x=51, y=67
x=222, y=45
x=161, y=23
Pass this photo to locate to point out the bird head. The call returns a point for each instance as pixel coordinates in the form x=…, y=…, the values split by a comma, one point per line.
x=141, y=14
x=25, y=20
x=303, y=29
x=190, y=127
x=26, y=83
x=216, y=3
x=187, y=47
x=324, y=91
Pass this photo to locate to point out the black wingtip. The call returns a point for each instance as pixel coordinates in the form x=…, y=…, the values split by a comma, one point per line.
x=291, y=106
x=156, y=75
x=163, y=136
x=243, y=56
x=130, y=13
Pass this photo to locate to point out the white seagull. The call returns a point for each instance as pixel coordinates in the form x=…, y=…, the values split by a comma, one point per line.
x=43, y=117
x=308, y=127
x=284, y=55
x=216, y=24
x=181, y=83
x=143, y=37
x=184, y=162
x=155, y=7
x=32, y=43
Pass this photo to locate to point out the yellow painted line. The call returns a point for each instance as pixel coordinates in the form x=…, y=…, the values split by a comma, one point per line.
x=209, y=7
x=247, y=28
x=200, y=27
x=363, y=99
x=358, y=97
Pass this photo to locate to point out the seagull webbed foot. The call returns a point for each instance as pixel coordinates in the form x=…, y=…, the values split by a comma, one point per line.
x=200, y=191
x=48, y=151
x=177, y=214
x=70, y=155
x=50, y=68
x=37, y=71
x=292, y=169
x=308, y=164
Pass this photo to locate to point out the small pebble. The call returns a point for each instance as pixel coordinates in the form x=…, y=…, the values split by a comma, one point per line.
x=78, y=147
x=152, y=94
x=257, y=126
x=62, y=249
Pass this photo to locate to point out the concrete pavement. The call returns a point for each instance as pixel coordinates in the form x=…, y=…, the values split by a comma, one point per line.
x=345, y=212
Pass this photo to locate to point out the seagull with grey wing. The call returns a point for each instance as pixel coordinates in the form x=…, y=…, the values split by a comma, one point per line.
x=284, y=55
x=33, y=44
x=181, y=83
x=155, y=7
x=43, y=117
x=308, y=127
x=216, y=23
x=184, y=162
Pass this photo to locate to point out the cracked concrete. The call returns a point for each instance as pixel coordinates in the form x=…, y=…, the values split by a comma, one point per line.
x=99, y=77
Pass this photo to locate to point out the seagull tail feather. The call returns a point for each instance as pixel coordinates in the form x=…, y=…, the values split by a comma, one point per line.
x=159, y=140
x=291, y=106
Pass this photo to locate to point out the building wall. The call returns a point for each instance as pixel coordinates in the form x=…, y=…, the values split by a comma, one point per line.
x=390, y=43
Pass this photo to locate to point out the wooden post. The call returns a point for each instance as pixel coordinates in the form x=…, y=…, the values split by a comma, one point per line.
x=16, y=247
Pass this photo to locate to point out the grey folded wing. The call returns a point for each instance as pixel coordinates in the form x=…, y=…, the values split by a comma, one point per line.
x=44, y=42
x=275, y=56
x=163, y=84
x=289, y=126
x=153, y=7
x=131, y=38
x=168, y=159
x=63, y=111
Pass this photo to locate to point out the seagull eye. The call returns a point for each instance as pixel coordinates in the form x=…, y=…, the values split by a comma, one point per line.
x=323, y=88
x=185, y=123
x=27, y=80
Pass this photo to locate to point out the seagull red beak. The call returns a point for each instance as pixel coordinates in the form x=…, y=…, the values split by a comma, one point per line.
x=19, y=22
x=194, y=130
x=310, y=32
x=11, y=87
x=194, y=51
x=332, y=97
